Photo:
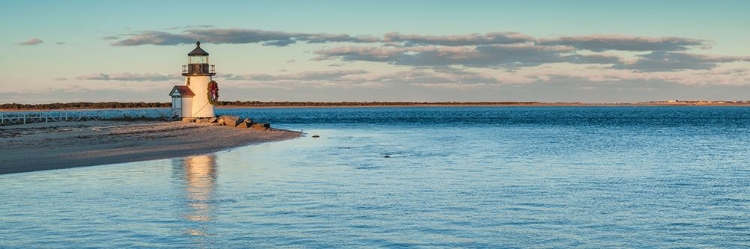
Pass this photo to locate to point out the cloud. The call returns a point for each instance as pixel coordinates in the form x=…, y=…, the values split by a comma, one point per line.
x=459, y=40
x=569, y=89
x=595, y=43
x=593, y=59
x=155, y=38
x=356, y=53
x=237, y=36
x=59, y=43
x=61, y=79
x=32, y=42
x=189, y=27
x=660, y=61
x=325, y=38
x=729, y=74
x=600, y=43
x=508, y=51
x=129, y=77
x=437, y=77
x=732, y=71
x=332, y=75
x=480, y=51
x=484, y=56
x=358, y=79
x=279, y=43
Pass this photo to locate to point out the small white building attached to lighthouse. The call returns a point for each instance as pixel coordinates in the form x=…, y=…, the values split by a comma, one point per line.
x=199, y=95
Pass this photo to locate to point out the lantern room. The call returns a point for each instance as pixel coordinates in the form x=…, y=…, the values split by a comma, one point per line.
x=198, y=63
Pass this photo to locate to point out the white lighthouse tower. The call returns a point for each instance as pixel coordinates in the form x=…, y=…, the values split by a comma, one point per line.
x=196, y=99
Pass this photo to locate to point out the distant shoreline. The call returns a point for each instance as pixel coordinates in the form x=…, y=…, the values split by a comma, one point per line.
x=258, y=104
x=484, y=105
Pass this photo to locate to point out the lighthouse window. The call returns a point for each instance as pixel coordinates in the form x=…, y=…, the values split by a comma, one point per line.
x=198, y=59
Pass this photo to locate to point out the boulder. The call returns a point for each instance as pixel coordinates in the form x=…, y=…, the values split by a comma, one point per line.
x=230, y=120
x=260, y=127
x=249, y=121
x=188, y=120
x=243, y=125
x=212, y=120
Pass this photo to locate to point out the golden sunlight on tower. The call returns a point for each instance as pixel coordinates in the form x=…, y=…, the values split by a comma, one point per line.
x=199, y=95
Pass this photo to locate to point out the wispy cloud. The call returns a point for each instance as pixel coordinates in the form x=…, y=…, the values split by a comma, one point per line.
x=154, y=38
x=129, y=77
x=236, y=36
x=363, y=78
x=600, y=43
x=61, y=79
x=332, y=75
x=31, y=42
x=436, y=77
x=660, y=61
x=189, y=27
x=485, y=56
x=459, y=40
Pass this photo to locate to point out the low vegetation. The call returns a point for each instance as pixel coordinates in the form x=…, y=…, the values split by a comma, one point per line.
x=121, y=105
x=304, y=104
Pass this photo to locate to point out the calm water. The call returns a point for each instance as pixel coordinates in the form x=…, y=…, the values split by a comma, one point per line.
x=416, y=177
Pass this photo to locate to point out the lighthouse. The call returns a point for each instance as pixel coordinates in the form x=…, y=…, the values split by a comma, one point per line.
x=199, y=95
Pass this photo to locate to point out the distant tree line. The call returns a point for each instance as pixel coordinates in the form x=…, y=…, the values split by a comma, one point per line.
x=302, y=104
x=121, y=105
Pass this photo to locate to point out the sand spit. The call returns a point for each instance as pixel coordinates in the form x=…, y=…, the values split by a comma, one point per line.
x=58, y=145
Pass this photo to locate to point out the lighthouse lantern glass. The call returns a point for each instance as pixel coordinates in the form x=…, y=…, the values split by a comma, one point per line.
x=200, y=59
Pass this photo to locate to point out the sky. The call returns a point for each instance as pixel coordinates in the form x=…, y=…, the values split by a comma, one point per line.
x=547, y=51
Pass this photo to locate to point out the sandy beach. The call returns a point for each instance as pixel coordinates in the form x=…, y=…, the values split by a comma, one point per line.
x=58, y=145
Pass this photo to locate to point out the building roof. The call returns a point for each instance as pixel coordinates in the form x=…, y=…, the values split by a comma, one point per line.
x=181, y=91
x=198, y=51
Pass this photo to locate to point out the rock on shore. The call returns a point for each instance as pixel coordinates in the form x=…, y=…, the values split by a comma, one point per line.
x=231, y=121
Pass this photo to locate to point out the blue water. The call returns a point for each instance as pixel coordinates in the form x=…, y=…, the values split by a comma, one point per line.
x=595, y=177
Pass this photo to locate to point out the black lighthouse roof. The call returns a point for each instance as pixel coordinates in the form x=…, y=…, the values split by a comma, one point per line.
x=198, y=51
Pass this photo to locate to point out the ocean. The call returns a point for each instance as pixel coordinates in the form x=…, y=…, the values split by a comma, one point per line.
x=414, y=177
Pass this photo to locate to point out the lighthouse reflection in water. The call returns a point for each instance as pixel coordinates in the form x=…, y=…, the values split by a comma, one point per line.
x=199, y=176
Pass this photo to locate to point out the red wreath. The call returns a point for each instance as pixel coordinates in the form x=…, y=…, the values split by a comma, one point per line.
x=213, y=92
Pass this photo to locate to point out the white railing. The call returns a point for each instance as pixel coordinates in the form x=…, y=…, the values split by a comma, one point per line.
x=24, y=117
